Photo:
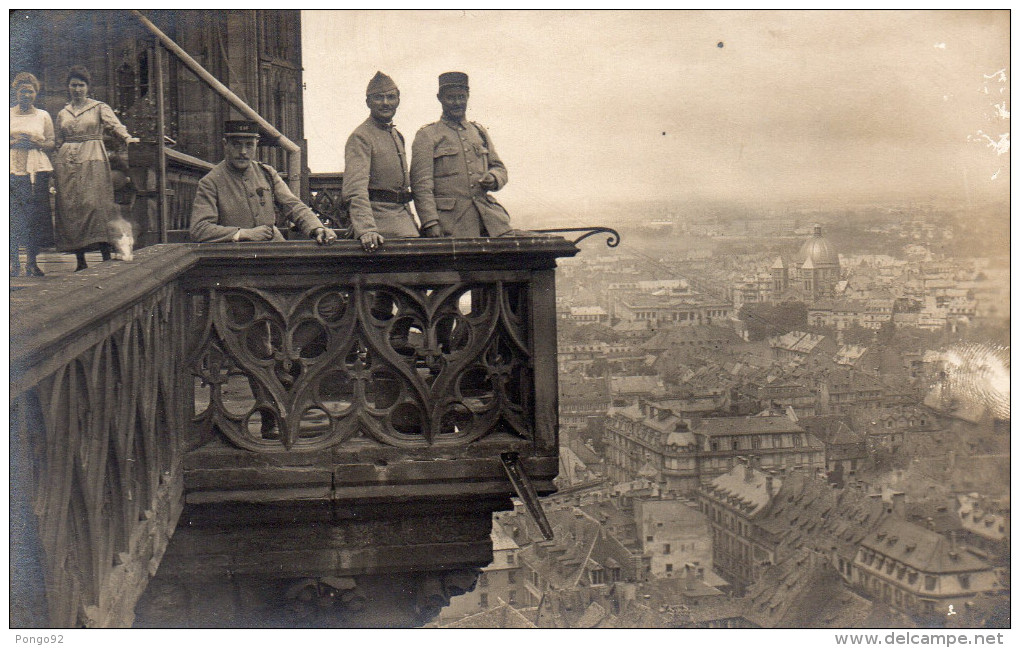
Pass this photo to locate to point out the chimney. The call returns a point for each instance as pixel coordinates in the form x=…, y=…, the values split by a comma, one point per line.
x=899, y=502
x=748, y=470
x=769, y=485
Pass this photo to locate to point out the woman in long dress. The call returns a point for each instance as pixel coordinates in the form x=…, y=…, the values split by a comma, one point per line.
x=85, y=205
x=31, y=140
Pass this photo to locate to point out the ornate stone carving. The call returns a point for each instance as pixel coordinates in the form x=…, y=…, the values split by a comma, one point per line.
x=102, y=433
x=402, y=365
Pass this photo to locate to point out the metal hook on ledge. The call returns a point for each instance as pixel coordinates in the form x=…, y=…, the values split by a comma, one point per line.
x=612, y=241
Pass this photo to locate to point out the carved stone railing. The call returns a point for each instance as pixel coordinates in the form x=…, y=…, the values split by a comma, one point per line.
x=429, y=344
x=97, y=425
x=360, y=407
x=327, y=200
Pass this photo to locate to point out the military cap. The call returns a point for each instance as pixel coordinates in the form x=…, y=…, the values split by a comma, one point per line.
x=241, y=128
x=380, y=83
x=453, y=79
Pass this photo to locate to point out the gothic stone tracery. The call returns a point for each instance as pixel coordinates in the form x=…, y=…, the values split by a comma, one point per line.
x=401, y=365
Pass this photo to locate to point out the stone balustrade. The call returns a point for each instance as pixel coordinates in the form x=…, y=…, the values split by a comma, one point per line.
x=319, y=412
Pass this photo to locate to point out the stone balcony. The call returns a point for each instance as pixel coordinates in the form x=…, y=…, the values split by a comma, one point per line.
x=282, y=422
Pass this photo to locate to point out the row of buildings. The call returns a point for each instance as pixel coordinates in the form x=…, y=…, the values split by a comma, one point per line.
x=772, y=534
x=680, y=451
x=797, y=481
x=841, y=292
x=751, y=548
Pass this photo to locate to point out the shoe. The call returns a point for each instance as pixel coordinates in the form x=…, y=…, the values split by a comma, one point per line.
x=34, y=271
x=81, y=266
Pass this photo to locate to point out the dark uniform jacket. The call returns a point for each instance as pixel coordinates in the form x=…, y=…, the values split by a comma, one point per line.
x=447, y=161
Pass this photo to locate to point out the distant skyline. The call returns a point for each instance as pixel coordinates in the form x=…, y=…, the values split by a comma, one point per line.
x=752, y=106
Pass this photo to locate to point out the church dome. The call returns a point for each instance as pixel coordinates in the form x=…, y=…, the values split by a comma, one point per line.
x=819, y=250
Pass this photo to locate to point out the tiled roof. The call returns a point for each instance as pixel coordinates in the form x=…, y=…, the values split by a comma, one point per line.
x=797, y=341
x=500, y=617
x=583, y=388
x=500, y=540
x=734, y=425
x=677, y=337
x=591, y=617
x=920, y=548
x=832, y=430
x=636, y=384
x=850, y=353
x=562, y=559
x=807, y=512
x=584, y=453
x=793, y=594
x=989, y=525
x=753, y=491
x=715, y=609
x=691, y=404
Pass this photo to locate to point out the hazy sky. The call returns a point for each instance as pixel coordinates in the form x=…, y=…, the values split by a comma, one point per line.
x=760, y=106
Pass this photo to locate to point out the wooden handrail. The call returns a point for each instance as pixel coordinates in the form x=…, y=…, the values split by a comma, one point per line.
x=188, y=160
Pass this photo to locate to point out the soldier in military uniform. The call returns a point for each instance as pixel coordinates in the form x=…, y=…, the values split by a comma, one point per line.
x=454, y=166
x=376, y=182
x=239, y=198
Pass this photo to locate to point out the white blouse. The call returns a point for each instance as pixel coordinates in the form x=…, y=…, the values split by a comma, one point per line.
x=36, y=124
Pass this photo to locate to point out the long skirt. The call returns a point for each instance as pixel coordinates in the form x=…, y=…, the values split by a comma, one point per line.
x=31, y=219
x=85, y=204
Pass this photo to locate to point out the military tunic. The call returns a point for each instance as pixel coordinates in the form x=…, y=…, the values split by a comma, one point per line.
x=228, y=200
x=447, y=161
x=374, y=158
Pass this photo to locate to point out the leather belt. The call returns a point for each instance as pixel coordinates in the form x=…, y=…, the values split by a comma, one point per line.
x=401, y=197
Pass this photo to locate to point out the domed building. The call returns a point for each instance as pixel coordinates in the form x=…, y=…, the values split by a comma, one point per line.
x=811, y=274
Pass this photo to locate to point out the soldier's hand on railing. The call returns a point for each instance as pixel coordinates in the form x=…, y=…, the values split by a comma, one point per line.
x=260, y=233
x=432, y=231
x=324, y=235
x=371, y=241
